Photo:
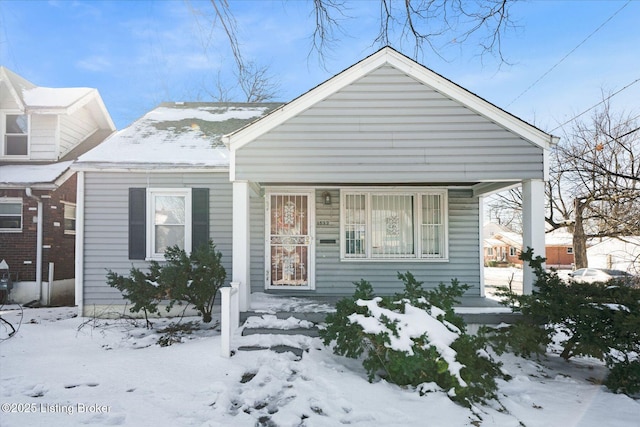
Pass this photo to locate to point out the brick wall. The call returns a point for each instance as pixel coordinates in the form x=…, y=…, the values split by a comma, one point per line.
x=19, y=249
x=557, y=255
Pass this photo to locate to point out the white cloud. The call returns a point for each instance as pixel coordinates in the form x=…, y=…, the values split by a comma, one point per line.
x=94, y=63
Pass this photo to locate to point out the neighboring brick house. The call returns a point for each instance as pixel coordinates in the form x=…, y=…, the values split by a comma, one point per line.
x=559, y=247
x=43, y=130
x=503, y=246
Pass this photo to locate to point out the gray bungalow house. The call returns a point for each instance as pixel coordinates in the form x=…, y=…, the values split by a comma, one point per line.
x=380, y=169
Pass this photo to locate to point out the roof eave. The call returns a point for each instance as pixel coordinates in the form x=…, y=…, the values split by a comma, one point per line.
x=145, y=167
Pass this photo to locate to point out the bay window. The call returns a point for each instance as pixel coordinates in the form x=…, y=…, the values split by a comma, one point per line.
x=400, y=224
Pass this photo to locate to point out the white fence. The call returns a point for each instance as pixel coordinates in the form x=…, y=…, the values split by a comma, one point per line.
x=229, y=316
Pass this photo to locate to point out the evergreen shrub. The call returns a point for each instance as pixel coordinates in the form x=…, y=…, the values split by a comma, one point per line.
x=415, y=339
x=600, y=320
x=194, y=279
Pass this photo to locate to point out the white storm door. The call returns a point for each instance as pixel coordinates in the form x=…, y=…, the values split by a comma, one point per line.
x=290, y=247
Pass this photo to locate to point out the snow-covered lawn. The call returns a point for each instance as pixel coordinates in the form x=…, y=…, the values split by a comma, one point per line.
x=61, y=370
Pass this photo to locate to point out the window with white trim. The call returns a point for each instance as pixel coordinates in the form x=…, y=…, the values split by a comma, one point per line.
x=399, y=224
x=10, y=214
x=69, y=217
x=16, y=135
x=168, y=220
x=513, y=251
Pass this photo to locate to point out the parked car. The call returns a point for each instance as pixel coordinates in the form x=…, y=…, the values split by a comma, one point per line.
x=590, y=275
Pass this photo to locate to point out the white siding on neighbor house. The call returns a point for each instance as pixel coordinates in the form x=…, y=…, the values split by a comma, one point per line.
x=75, y=129
x=42, y=137
x=7, y=101
x=616, y=254
x=335, y=278
x=106, y=230
x=387, y=127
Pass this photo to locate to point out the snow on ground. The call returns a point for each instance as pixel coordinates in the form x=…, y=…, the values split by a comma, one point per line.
x=61, y=370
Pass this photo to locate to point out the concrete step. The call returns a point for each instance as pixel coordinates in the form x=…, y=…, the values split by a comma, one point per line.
x=309, y=332
x=312, y=317
x=298, y=352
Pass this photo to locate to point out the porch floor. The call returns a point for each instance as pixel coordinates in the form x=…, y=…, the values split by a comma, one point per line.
x=474, y=310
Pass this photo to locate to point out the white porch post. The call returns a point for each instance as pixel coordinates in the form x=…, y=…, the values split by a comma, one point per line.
x=241, y=247
x=532, y=226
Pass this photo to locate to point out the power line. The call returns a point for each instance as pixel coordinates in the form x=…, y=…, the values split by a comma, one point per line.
x=567, y=55
x=591, y=108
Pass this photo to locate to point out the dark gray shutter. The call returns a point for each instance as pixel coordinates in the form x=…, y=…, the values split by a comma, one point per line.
x=200, y=217
x=137, y=223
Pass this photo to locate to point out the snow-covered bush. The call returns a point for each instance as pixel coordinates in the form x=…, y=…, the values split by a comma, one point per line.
x=410, y=341
x=600, y=320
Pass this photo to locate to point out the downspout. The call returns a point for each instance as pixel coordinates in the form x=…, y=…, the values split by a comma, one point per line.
x=79, y=266
x=38, y=244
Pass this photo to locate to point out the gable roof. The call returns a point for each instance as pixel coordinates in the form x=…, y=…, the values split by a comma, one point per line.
x=180, y=134
x=388, y=56
x=44, y=100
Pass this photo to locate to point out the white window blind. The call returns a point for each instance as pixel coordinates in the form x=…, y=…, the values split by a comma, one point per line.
x=405, y=224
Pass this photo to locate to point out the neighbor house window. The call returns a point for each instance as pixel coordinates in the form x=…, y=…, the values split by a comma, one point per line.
x=404, y=224
x=69, y=218
x=570, y=251
x=168, y=220
x=10, y=215
x=513, y=251
x=16, y=135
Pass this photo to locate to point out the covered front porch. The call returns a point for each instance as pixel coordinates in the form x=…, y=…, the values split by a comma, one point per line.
x=316, y=260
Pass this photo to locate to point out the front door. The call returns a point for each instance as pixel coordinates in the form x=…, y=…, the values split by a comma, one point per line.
x=289, y=248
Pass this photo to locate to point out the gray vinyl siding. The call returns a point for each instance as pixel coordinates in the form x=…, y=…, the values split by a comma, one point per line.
x=388, y=127
x=106, y=223
x=335, y=277
x=258, y=237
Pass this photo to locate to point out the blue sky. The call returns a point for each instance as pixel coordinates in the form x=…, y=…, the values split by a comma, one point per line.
x=141, y=53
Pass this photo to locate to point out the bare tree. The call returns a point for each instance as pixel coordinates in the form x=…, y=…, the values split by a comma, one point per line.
x=594, y=186
x=600, y=167
x=431, y=23
x=256, y=83
x=428, y=22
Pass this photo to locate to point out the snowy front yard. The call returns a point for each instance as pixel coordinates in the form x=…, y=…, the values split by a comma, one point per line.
x=61, y=370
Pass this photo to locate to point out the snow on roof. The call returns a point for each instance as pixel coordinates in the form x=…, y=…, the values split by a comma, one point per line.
x=611, y=242
x=511, y=236
x=32, y=174
x=177, y=134
x=48, y=97
x=558, y=238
